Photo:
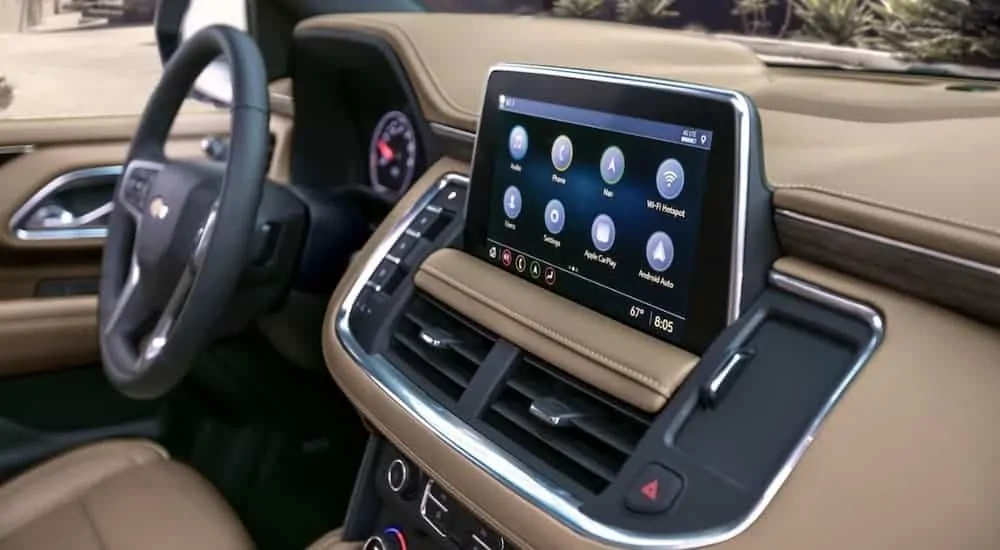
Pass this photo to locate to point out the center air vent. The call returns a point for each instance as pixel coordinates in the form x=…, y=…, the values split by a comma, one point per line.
x=437, y=349
x=566, y=425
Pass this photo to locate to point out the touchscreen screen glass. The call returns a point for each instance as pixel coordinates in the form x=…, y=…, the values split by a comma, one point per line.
x=602, y=208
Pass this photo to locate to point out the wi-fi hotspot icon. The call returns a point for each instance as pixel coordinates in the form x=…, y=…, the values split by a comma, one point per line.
x=670, y=179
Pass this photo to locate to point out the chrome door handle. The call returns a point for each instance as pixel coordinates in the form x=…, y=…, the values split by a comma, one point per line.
x=54, y=216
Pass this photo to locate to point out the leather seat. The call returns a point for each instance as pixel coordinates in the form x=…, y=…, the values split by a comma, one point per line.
x=116, y=495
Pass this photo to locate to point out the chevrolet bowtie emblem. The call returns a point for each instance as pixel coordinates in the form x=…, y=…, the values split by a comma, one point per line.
x=158, y=208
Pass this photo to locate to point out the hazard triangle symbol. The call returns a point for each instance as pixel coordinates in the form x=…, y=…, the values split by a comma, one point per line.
x=651, y=489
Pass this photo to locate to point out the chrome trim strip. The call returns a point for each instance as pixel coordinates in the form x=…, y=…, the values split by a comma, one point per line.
x=16, y=149
x=450, y=132
x=740, y=104
x=65, y=181
x=887, y=241
x=530, y=484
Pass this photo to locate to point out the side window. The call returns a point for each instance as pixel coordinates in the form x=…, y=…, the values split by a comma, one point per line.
x=70, y=58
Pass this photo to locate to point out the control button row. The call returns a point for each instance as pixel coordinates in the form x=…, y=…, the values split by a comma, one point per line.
x=535, y=269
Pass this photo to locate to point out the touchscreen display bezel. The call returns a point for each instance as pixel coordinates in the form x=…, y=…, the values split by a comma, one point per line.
x=714, y=284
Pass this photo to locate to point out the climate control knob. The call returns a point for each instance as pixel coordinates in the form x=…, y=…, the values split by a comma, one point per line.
x=390, y=539
x=400, y=478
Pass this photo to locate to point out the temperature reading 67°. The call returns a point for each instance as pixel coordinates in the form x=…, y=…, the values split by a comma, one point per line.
x=636, y=312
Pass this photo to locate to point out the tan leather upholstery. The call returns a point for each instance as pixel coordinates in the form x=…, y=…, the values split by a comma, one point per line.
x=116, y=495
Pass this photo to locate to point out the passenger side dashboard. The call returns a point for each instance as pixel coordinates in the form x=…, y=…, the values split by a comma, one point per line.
x=791, y=469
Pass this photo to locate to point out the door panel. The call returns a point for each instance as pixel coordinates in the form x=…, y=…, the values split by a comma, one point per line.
x=48, y=306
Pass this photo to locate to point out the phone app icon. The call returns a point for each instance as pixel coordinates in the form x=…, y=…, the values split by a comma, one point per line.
x=562, y=153
x=612, y=165
x=512, y=202
x=602, y=232
x=517, y=142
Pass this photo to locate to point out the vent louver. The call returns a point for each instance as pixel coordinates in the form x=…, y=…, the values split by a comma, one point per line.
x=590, y=448
x=437, y=349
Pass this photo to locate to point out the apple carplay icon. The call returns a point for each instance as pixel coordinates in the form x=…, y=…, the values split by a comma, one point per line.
x=660, y=251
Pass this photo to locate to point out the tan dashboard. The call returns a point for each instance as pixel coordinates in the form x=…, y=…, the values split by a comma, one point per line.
x=905, y=459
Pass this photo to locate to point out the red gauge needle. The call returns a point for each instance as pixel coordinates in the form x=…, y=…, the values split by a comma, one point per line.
x=385, y=150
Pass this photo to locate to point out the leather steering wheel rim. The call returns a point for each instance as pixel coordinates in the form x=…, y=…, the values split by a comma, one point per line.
x=177, y=240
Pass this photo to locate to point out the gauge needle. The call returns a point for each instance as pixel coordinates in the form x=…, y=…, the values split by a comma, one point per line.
x=385, y=150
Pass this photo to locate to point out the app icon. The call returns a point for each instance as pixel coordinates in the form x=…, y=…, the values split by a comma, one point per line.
x=535, y=270
x=520, y=263
x=550, y=276
x=493, y=252
x=512, y=202
x=517, y=142
x=670, y=179
x=660, y=251
x=562, y=153
x=612, y=165
x=555, y=216
x=602, y=232
x=506, y=257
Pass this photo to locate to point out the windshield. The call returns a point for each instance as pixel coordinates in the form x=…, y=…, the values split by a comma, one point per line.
x=946, y=37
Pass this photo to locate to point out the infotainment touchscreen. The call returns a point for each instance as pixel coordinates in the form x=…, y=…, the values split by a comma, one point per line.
x=615, y=195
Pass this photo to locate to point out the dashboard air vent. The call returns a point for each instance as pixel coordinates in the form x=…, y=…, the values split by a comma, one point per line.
x=437, y=348
x=564, y=424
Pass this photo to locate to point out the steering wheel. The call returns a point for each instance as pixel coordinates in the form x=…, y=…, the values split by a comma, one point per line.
x=180, y=231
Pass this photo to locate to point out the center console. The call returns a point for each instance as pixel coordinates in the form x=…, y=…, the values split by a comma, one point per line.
x=590, y=322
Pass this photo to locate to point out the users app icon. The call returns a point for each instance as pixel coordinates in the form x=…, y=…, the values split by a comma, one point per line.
x=660, y=251
x=512, y=202
x=517, y=143
x=602, y=232
x=612, y=165
x=555, y=216
x=562, y=153
x=670, y=179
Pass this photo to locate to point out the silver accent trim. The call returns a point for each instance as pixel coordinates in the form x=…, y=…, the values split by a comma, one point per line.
x=427, y=496
x=69, y=180
x=450, y=132
x=719, y=380
x=530, y=484
x=741, y=106
x=16, y=149
x=887, y=241
x=405, y=475
x=554, y=412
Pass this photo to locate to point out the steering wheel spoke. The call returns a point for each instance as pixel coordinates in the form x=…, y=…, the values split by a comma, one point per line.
x=157, y=339
x=132, y=310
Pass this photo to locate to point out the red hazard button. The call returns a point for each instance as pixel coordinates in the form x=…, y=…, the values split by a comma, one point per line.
x=654, y=490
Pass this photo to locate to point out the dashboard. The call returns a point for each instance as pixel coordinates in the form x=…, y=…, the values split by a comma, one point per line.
x=499, y=329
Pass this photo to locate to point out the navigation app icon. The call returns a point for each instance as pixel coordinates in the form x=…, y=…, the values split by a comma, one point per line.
x=512, y=202
x=670, y=179
x=555, y=216
x=562, y=153
x=660, y=251
x=602, y=232
x=517, y=143
x=612, y=165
